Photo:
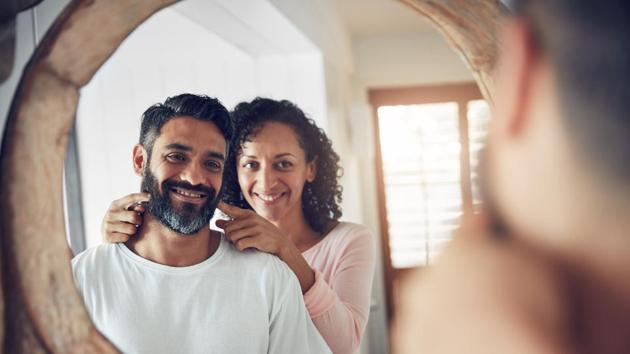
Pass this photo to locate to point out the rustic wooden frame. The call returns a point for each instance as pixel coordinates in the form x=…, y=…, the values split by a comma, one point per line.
x=41, y=309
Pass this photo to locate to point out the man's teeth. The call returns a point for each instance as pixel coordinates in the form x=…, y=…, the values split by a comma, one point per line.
x=187, y=193
x=269, y=198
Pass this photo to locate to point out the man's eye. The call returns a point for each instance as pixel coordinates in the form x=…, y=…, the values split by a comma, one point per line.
x=213, y=165
x=176, y=157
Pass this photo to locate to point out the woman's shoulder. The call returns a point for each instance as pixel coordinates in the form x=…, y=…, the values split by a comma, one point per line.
x=350, y=238
x=351, y=232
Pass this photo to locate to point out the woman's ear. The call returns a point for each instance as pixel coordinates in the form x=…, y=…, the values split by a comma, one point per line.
x=311, y=170
x=140, y=159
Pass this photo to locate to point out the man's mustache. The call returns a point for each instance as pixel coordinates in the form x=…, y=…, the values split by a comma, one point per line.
x=199, y=188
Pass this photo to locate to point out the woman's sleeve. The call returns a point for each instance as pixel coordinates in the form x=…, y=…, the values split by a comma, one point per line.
x=340, y=309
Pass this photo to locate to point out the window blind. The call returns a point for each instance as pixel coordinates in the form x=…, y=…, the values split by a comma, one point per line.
x=420, y=146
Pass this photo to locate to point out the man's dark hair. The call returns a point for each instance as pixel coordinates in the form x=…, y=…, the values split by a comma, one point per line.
x=200, y=107
x=588, y=44
x=320, y=198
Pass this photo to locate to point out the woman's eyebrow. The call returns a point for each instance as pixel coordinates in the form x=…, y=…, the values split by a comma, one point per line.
x=285, y=154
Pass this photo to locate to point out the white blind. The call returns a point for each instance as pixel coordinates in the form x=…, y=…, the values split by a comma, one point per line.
x=478, y=119
x=420, y=145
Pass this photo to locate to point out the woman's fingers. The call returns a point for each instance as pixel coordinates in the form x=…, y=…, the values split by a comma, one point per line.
x=233, y=211
x=245, y=243
x=230, y=226
x=241, y=233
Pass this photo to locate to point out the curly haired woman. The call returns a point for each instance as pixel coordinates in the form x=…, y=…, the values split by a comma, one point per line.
x=282, y=193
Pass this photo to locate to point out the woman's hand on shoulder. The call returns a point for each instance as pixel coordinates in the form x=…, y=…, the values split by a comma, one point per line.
x=250, y=230
x=123, y=218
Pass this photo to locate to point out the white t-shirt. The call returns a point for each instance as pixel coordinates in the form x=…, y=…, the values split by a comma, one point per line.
x=233, y=302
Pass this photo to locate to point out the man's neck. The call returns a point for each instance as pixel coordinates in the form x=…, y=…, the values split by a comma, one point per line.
x=162, y=245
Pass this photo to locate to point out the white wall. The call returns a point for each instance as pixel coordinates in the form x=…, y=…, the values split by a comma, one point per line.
x=410, y=59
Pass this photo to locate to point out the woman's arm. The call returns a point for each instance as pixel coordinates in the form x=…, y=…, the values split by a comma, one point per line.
x=340, y=307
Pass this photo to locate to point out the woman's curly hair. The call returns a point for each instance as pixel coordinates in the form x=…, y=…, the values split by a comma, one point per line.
x=320, y=198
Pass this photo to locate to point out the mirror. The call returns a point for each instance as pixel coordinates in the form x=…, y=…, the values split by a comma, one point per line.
x=42, y=88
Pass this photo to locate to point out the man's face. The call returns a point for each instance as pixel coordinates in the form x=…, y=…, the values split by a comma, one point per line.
x=183, y=174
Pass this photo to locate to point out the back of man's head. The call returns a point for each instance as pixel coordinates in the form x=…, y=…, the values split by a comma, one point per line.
x=588, y=45
x=200, y=107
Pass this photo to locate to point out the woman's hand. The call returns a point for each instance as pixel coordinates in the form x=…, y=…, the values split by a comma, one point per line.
x=123, y=218
x=250, y=230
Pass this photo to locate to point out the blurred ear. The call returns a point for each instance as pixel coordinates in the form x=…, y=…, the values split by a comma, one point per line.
x=518, y=61
x=311, y=170
x=140, y=159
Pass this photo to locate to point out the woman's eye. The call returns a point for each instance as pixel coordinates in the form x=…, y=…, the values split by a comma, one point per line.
x=250, y=165
x=284, y=164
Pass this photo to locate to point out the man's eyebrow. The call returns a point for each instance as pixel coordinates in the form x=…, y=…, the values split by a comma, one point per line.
x=216, y=155
x=182, y=147
x=178, y=146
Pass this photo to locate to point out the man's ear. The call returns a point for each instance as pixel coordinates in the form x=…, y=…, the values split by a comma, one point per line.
x=311, y=170
x=518, y=61
x=140, y=159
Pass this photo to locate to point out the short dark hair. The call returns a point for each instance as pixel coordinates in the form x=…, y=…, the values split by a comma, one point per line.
x=200, y=107
x=588, y=44
x=320, y=198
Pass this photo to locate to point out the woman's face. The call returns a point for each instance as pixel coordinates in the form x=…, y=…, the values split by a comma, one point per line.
x=272, y=170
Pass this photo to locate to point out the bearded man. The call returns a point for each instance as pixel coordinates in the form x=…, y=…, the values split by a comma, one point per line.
x=178, y=286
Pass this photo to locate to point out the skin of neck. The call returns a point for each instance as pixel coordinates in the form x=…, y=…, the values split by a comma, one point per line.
x=159, y=244
x=297, y=229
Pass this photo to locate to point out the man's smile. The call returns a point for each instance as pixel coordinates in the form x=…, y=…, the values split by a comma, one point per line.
x=188, y=195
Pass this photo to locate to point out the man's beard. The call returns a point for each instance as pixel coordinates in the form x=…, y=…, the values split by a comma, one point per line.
x=187, y=219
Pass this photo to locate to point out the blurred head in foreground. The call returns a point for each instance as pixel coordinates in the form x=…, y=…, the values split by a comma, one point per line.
x=558, y=159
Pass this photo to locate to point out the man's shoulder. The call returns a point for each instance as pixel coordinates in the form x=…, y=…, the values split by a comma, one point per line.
x=94, y=255
x=258, y=264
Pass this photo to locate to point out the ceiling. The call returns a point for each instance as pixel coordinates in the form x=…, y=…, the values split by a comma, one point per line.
x=380, y=17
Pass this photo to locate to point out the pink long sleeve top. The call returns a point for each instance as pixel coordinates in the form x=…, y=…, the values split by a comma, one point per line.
x=339, y=300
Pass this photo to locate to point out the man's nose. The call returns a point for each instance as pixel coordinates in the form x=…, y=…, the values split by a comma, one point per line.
x=194, y=174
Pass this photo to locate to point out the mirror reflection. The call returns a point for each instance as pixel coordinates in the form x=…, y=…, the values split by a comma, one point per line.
x=324, y=138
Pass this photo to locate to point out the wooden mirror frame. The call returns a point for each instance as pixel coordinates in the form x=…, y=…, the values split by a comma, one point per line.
x=41, y=308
